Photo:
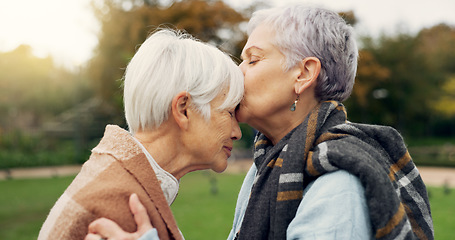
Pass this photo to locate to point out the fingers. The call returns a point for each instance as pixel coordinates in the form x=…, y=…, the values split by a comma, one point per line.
x=92, y=236
x=105, y=227
x=108, y=229
x=140, y=215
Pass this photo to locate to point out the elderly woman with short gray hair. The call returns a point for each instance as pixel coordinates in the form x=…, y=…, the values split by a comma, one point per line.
x=315, y=174
x=180, y=97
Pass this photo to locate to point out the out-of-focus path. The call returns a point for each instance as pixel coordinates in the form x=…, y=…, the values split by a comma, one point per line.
x=432, y=176
x=39, y=172
x=437, y=176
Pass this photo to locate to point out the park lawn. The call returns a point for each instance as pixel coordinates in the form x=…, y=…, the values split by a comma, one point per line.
x=204, y=208
x=25, y=203
x=442, y=203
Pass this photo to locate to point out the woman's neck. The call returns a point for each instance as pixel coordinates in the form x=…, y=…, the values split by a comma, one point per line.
x=278, y=126
x=159, y=143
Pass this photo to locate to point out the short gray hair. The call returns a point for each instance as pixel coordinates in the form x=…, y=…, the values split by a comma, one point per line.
x=302, y=31
x=169, y=62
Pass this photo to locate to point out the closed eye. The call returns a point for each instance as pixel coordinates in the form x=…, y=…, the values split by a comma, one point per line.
x=232, y=113
x=254, y=59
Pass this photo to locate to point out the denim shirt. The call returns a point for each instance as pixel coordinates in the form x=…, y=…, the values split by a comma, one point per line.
x=333, y=207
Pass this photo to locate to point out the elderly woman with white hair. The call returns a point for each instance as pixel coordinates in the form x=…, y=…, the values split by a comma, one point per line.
x=180, y=97
x=315, y=174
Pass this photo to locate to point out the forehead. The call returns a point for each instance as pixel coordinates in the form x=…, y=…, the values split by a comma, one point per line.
x=259, y=40
x=219, y=99
x=248, y=51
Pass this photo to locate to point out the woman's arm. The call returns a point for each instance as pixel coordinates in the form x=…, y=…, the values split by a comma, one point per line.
x=104, y=228
x=333, y=207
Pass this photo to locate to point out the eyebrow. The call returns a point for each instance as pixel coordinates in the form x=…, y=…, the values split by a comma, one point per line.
x=248, y=51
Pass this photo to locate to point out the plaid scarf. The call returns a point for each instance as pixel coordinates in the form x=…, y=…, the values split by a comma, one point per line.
x=395, y=193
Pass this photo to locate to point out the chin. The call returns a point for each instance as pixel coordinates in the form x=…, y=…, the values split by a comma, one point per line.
x=220, y=168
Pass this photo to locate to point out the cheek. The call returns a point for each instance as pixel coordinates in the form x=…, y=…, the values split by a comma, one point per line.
x=253, y=84
x=254, y=75
x=225, y=129
x=222, y=128
x=258, y=78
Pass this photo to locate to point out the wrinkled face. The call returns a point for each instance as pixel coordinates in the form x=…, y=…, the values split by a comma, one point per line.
x=269, y=90
x=213, y=140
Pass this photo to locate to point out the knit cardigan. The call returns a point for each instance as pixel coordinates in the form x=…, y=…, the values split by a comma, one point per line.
x=116, y=169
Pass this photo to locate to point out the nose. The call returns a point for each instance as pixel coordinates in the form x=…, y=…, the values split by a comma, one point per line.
x=236, y=133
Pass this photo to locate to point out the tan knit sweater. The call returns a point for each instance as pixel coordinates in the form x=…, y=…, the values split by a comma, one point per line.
x=116, y=168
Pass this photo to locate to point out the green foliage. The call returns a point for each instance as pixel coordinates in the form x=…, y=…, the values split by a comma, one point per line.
x=24, y=205
x=399, y=82
x=33, y=90
x=247, y=140
x=432, y=151
x=18, y=149
x=444, y=104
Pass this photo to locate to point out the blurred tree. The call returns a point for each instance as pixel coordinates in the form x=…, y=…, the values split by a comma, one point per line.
x=370, y=76
x=437, y=45
x=400, y=80
x=445, y=104
x=349, y=17
x=409, y=87
x=33, y=89
x=126, y=24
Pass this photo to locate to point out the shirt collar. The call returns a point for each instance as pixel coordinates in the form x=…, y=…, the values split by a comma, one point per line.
x=169, y=184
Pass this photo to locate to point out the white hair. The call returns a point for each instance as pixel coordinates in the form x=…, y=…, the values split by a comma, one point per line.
x=303, y=31
x=169, y=62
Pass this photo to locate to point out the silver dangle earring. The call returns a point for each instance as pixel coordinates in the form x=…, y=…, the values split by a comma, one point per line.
x=295, y=102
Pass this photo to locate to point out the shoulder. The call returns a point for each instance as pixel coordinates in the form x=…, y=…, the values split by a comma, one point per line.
x=333, y=183
x=99, y=191
x=119, y=143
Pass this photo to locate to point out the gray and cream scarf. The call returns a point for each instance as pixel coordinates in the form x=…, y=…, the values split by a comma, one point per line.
x=396, y=195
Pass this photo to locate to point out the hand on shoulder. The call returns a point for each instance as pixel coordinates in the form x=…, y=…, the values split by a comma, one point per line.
x=104, y=228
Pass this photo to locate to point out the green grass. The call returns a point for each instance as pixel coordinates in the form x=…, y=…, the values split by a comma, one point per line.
x=442, y=202
x=200, y=213
x=24, y=205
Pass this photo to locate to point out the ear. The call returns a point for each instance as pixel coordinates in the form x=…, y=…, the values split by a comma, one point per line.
x=309, y=69
x=179, y=109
